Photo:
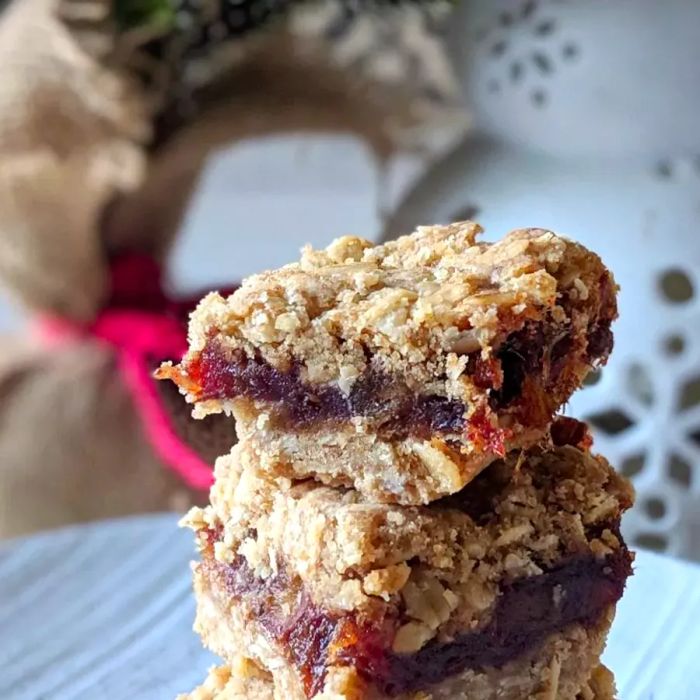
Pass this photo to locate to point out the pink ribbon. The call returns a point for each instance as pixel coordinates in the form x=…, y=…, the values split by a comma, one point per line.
x=143, y=327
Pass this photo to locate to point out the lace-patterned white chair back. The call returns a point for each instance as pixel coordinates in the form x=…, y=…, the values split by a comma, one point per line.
x=587, y=124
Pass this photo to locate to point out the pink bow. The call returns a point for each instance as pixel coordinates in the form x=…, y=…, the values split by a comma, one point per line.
x=143, y=327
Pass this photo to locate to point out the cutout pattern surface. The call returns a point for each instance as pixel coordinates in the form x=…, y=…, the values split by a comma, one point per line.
x=547, y=150
x=645, y=414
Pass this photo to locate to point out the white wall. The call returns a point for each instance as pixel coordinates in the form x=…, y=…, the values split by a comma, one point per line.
x=260, y=202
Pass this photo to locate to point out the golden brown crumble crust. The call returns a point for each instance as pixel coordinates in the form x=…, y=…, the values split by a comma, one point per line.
x=420, y=302
x=410, y=471
x=241, y=680
x=245, y=680
x=419, y=311
x=334, y=523
x=558, y=670
x=350, y=554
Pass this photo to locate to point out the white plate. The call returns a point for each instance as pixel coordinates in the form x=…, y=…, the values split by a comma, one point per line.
x=99, y=611
x=104, y=612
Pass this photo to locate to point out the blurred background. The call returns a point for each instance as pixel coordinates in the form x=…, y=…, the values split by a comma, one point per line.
x=223, y=150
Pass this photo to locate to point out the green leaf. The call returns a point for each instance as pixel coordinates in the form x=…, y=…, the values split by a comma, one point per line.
x=129, y=14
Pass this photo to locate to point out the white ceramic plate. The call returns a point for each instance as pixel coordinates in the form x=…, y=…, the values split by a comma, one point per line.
x=104, y=612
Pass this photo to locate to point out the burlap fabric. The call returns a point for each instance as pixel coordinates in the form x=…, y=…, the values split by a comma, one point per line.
x=104, y=131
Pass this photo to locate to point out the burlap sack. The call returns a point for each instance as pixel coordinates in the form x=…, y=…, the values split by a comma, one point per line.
x=102, y=140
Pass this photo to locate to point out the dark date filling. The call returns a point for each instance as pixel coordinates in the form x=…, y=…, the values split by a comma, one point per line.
x=569, y=431
x=397, y=412
x=528, y=610
x=310, y=637
x=578, y=591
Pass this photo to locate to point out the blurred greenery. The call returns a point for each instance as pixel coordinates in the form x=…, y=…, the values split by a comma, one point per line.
x=159, y=14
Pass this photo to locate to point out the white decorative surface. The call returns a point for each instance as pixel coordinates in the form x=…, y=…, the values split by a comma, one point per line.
x=583, y=77
x=586, y=117
x=103, y=612
x=643, y=221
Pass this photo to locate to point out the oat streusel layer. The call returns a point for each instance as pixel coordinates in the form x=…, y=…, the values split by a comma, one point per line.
x=244, y=680
x=402, y=370
x=324, y=584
